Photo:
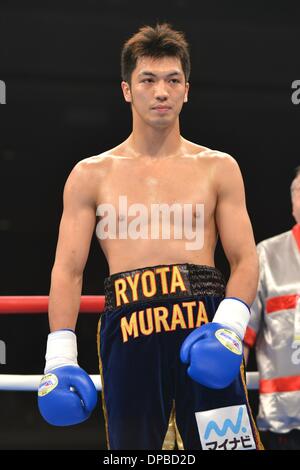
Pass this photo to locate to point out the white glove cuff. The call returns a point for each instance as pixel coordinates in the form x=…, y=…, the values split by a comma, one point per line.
x=234, y=314
x=61, y=350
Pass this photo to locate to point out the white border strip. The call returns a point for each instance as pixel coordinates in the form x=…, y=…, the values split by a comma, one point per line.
x=30, y=383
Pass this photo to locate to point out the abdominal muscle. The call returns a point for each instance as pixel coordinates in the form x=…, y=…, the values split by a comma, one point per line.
x=127, y=255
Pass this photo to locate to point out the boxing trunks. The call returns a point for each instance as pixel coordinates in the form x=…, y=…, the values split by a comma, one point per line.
x=149, y=401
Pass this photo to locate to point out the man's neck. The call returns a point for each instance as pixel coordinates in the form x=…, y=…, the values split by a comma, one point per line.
x=155, y=142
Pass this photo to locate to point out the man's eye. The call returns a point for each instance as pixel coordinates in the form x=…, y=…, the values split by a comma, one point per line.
x=174, y=80
x=147, y=80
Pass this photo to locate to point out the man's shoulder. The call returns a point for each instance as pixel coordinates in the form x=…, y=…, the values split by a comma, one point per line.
x=274, y=241
x=94, y=166
x=95, y=161
x=213, y=155
x=87, y=173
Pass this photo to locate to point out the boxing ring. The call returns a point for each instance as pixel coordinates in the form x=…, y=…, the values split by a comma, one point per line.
x=11, y=305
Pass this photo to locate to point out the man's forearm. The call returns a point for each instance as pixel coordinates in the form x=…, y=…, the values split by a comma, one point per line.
x=243, y=280
x=64, y=299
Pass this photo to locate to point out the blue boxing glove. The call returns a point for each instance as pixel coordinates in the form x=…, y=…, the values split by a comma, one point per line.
x=66, y=393
x=214, y=351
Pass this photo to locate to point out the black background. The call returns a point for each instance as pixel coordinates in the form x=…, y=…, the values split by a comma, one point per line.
x=60, y=62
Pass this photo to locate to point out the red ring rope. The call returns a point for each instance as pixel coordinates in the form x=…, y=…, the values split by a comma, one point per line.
x=13, y=304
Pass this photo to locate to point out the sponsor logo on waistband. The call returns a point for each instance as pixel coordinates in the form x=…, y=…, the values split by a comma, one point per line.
x=181, y=315
x=157, y=282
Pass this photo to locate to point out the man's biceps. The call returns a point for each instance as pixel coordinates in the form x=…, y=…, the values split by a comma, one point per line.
x=73, y=209
x=227, y=214
x=80, y=219
x=74, y=238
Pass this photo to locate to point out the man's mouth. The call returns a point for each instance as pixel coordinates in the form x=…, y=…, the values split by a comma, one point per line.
x=161, y=109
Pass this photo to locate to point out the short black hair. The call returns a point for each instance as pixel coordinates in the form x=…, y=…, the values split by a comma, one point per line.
x=158, y=41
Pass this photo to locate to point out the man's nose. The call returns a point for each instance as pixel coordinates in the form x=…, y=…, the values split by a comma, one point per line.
x=161, y=92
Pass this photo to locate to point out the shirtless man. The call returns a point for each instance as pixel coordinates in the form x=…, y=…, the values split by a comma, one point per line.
x=165, y=377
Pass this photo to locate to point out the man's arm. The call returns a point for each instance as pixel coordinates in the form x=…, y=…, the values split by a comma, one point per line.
x=220, y=341
x=58, y=404
x=75, y=233
x=235, y=231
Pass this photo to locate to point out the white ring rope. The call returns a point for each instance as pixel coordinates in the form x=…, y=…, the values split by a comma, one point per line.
x=30, y=383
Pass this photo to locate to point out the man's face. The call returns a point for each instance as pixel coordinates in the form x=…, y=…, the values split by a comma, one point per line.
x=296, y=198
x=158, y=90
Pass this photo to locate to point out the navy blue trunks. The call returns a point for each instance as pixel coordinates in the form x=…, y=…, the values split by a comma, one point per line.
x=149, y=401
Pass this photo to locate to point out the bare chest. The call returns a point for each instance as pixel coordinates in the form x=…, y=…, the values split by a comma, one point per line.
x=181, y=183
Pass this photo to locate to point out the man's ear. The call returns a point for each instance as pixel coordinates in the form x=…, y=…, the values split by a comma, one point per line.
x=126, y=91
x=187, y=87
